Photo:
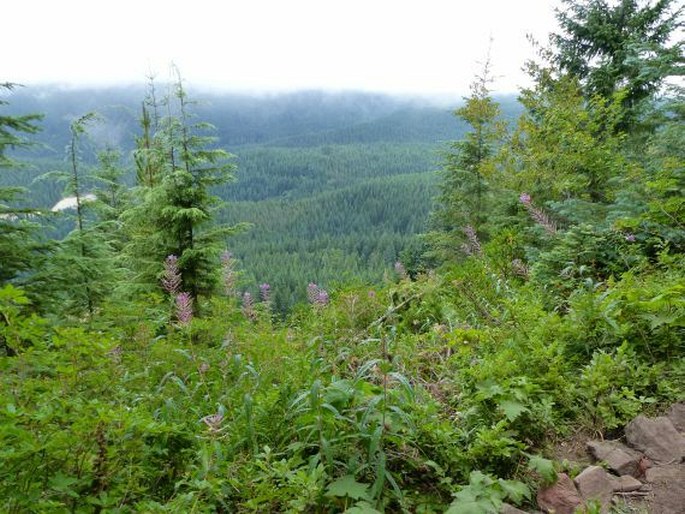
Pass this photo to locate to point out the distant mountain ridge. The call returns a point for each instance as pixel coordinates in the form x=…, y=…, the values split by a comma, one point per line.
x=307, y=118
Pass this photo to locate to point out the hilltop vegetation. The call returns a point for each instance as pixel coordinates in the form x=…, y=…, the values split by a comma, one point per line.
x=545, y=299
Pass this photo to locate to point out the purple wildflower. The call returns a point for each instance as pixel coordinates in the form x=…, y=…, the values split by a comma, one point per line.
x=322, y=297
x=248, y=306
x=213, y=421
x=316, y=295
x=184, y=308
x=630, y=238
x=171, y=280
x=265, y=292
x=538, y=215
x=312, y=290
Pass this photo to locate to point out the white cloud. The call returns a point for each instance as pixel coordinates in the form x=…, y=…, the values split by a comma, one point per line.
x=403, y=46
x=70, y=202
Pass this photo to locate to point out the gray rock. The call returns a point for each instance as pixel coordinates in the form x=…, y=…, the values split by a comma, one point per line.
x=618, y=457
x=595, y=484
x=510, y=509
x=626, y=484
x=677, y=416
x=657, y=438
x=560, y=498
x=668, y=489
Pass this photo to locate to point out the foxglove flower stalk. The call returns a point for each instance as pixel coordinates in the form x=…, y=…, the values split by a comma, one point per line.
x=184, y=308
x=312, y=290
x=265, y=292
x=316, y=295
x=228, y=272
x=538, y=215
x=248, y=306
x=322, y=298
x=472, y=245
x=171, y=280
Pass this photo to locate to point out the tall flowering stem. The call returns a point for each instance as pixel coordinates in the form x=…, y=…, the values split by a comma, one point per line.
x=537, y=214
x=316, y=295
x=248, y=306
x=472, y=245
x=265, y=292
x=228, y=272
x=171, y=280
x=184, y=308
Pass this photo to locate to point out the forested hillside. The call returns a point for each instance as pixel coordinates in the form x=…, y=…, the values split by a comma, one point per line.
x=299, y=158
x=148, y=362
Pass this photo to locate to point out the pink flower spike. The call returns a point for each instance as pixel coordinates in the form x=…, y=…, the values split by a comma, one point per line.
x=171, y=280
x=184, y=308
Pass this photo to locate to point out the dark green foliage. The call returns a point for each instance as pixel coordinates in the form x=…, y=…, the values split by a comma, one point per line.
x=564, y=146
x=14, y=128
x=465, y=195
x=584, y=257
x=19, y=246
x=80, y=274
x=177, y=168
x=625, y=45
x=356, y=232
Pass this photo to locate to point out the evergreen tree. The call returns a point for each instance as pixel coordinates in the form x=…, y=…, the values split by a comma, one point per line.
x=623, y=45
x=564, y=147
x=175, y=205
x=80, y=274
x=18, y=244
x=464, y=194
x=112, y=196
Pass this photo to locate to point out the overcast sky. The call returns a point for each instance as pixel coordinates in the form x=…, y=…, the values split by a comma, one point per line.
x=399, y=46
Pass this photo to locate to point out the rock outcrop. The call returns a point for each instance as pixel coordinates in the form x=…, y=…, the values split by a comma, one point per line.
x=647, y=473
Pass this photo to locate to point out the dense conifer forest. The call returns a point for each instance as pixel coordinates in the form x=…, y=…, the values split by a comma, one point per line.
x=347, y=302
x=322, y=178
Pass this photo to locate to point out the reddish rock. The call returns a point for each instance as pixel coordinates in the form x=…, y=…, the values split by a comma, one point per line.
x=595, y=484
x=677, y=416
x=668, y=489
x=510, y=509
x=657, y=438
x=626, y=484
x=560, y=498
x=618, y=457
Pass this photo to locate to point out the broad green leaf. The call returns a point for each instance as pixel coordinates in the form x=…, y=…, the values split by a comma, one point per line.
x=515, y=490
x=62, y=483
x=544, y=467
x=362, y=508
x=512, y=409
x=348, y=486
x=480, y=506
